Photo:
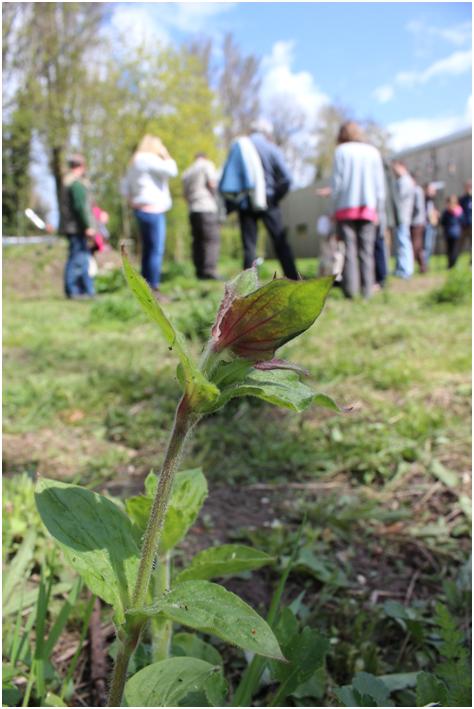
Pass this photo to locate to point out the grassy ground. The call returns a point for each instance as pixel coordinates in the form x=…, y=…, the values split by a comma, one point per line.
x=89, y=394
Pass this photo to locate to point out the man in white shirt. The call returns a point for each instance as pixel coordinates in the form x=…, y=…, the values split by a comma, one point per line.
x=199, y=187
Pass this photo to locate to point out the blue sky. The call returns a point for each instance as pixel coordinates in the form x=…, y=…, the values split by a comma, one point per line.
x=406, y=65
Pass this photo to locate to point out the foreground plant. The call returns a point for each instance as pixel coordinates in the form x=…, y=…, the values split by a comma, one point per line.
x=102, y=543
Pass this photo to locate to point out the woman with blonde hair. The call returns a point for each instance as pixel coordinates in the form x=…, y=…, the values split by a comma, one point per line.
x=145, y=186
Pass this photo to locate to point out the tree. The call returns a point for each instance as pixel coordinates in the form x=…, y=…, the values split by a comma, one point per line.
x=51, y=58
x=330, y=119
x=238, y=89
x=16, y=183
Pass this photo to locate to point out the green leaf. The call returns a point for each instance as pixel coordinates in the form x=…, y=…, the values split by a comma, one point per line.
x=224, y=560
x=96, y=537
x=190, y=645
x=325, y=402
x=10, y=695
x=306, y=652
x=277, y=386
x=399, y=680
x=17, y=568
x=212, y=609
x=201, y=392
x=370, y=686
x=167, y=683
x=187, y=497
x=315, y=686
x=446, y=476
x=52, y=700
x=366, y=690
x=245, y=283
x=322, y=569
x=430, y=690
x=255, y=325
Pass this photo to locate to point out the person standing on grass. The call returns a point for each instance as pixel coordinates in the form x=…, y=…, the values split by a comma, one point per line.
x=452, y=221
x=266, y=158
x=417, y=227
x=431, y=222
x=404, y=201
x=145, y=186
x=466, y=204
x=358, y=193
x=77, y=224
x=199, y=188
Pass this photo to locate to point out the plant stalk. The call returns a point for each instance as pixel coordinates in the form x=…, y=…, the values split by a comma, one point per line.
x=183, y=422
x=181, y=427
x=119, y=675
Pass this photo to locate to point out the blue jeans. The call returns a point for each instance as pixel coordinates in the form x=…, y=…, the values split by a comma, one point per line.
x=429, y=242
x=153, y=234
x=405, y=265
x=76, y=272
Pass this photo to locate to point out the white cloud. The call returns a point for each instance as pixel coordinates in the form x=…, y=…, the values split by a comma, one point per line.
x=457, y=34
x=384, y=93
x=299, y=87
x=300, y=97
x=453, y=65
x=135, y=26
x=194, y=16
x=415, y=131
x=147, y=24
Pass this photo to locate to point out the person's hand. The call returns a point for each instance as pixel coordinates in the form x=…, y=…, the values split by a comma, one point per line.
x=323, y=192
x=90, y=232
x=49, y=228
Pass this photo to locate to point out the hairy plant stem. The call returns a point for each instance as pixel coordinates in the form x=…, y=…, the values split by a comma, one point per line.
x=183, y=422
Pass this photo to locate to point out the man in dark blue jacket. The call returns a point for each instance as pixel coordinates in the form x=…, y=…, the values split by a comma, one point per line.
x=277, y=183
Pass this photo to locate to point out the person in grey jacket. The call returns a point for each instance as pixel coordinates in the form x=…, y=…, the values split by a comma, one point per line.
x=199, y=188
x=417, y=227
x=358, y=193
x=404, y=202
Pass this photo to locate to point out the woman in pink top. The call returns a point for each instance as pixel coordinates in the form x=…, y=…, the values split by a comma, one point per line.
x=358, y=192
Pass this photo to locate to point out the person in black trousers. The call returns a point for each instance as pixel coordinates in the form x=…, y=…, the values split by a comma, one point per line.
x=277, y=183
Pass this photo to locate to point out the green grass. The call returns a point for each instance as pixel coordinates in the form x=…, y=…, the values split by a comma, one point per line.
x=89, y=395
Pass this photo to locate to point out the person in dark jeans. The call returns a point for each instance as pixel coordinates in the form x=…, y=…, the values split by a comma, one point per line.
x=199, y=187
x=452, y=221
x=277, y=183
x=77, y=225
x=466, y=205
x=380, y=254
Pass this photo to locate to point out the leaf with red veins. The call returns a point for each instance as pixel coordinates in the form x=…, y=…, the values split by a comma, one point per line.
x=253, y=326
x=281, y=364
x=245, y=283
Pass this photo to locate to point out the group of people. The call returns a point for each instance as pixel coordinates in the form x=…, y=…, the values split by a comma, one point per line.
x=253, y=181
x=363, y=190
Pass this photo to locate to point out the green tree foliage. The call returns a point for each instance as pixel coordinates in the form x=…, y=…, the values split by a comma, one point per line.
x=17, y=133
x=54, y=43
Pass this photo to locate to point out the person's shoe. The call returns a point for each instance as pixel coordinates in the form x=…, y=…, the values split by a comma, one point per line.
x=161, y=297
x=82, y=296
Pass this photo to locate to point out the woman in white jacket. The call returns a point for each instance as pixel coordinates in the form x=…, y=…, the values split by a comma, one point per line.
x=145, y=186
